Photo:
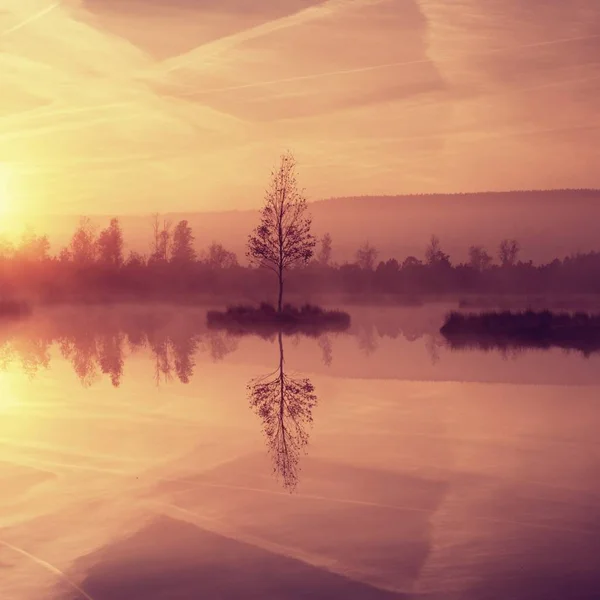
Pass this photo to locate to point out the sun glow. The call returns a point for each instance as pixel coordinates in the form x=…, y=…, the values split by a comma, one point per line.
x=9, y=221
x=8, y=398
x=5, y=206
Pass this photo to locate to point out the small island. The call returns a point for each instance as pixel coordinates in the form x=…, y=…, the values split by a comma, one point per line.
x=265, y=319
x=282, y=241
x=526, y=329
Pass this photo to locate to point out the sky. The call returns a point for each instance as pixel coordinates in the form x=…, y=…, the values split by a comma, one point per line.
x=136, y=106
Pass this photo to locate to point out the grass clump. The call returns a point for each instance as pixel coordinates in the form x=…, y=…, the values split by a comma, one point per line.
x=309, y=319
x=525, y=329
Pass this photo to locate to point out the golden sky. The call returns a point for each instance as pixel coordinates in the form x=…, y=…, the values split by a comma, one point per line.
x=142, y=105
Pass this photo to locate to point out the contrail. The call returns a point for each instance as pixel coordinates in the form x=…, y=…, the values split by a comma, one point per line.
x=30, y=19
x=445, y=135
x=58, y=112
x=379, y=67
x=15, y=135
x=301, y=17
x=48, y=566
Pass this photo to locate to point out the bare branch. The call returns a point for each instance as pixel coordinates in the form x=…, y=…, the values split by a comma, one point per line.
x=283, y=238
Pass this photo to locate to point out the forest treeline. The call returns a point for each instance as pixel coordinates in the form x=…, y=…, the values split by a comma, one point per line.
x=96, y=266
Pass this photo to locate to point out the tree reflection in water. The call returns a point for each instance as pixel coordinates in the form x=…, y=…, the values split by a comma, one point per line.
x=100, y=342
x=97, y=344
x=284, y=405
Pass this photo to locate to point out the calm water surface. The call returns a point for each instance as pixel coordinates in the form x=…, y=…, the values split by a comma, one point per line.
x=143, y=456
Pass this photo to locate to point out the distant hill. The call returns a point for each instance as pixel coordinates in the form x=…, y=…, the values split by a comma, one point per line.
x=547, y=223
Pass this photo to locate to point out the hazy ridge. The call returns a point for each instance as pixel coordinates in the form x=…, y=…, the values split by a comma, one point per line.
x=548, y=224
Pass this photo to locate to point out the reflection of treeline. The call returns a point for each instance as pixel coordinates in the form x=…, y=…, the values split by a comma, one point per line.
x=96, y=343
x=94, y=265
x=99, y=342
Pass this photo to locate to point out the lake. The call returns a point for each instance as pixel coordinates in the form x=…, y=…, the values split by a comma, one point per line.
x=145, y=456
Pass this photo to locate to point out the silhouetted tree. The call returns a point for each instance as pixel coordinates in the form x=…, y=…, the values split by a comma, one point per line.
x=83, y=243
x=135, y=260
x=325, y=251
x=220, y=258
x=285, y=406
x=33, y=248
x=366, y=256
x=434, y=254
x=183, y=243
x=411, y=261
x=110, y=245
x=7, y=248
x=283, y=238
x=161, y=241
x=389, y=268
x=479, y=259
x=65, y=256
x=508, y=252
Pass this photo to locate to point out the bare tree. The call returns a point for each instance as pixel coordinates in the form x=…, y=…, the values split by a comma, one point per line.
x=110, y=245
x=160, y=250
x=479, y=258
x=219, y=258
x=155, y=245
x=33, y=247
x=508, y=252
x=135, y=260
x=411, y=262
x=7, y=248
x=283, y=238
x=325, y=251
x=434, y=254
x=366, y=256
x=83, y=243
x=65, y=256
x=182, y=245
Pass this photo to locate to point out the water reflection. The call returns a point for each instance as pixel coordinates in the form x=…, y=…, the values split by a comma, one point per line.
x=99, y=342
x=426, y=487
x=284, y=405
x=382, y=342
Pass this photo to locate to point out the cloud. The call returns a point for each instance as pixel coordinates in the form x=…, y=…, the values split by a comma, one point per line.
x=30, y=19
x=198, y=99
x=262, y=7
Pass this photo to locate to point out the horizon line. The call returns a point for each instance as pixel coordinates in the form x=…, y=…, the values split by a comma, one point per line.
x=319, y=200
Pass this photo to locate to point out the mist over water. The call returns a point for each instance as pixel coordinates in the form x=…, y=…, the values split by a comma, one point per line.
x=367, y=369
x=145, y=455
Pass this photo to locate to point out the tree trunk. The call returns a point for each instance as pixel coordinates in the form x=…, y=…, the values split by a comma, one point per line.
x=280, y=302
